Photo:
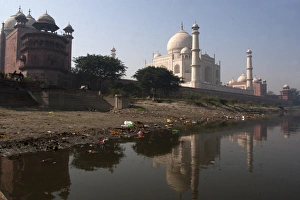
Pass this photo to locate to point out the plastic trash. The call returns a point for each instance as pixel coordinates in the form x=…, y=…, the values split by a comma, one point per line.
x=140, y=133
x=129, y=124
x=169, y=121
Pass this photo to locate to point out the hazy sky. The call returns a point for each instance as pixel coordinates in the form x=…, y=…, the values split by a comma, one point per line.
x=139, y=28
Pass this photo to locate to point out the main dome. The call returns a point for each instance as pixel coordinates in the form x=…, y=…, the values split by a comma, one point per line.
x=10, y=23
x=180, y=40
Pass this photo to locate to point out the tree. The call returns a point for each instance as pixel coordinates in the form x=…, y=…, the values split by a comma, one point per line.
x=156, y=79
x=270, y=93
x=129, y=89
x=98, y=68
x=295, y=96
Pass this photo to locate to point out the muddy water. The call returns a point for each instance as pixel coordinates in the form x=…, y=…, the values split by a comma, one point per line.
x=258, y=160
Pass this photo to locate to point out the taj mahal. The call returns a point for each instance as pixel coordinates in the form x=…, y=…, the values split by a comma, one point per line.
x=185, y=60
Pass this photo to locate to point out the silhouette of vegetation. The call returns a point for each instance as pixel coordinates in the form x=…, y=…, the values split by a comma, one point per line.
x=97, y=69
x=155, y=80
x=295, y=96
x=90, y=158
x=156, y=143
x=130, y=89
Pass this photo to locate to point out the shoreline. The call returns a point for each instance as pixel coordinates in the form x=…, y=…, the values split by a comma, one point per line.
x=33, y=129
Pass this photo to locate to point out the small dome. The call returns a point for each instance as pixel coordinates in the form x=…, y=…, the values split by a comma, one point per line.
x=178, y=41
x=185, y=50
x=255, y=80
x=156, y=55
x=31, y=20
x=286, y=87
x=45, y=18
x=69, y=28
x=231, y=81
x=249, y=51
x=20, y=16
x=242, y=78
x=45, y=23
x=195, y=25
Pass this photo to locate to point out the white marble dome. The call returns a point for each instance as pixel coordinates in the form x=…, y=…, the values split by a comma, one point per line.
x=178, y=41
x=242, y=78
x=156, y=55
x=231, y=81
x=185, y=50
x=255, y=80
x=195, y=25
x=286, y=87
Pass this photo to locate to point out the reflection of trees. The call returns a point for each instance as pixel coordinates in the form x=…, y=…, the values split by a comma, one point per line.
x=91, y=157
x=158, y=142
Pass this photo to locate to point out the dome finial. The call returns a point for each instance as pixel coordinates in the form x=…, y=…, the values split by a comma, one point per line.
x=29, y=11
x=181, y=25
x=19, y=8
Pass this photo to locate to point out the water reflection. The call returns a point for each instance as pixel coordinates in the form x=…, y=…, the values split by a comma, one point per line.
x=156, y=143
x=36, y=176
x=166, y=161
x=186, y=159
x=290, y=126
x=198, y=151
x=91, y=157
x=249, y=139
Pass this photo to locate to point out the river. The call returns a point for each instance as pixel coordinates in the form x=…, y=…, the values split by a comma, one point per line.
x=255, y=160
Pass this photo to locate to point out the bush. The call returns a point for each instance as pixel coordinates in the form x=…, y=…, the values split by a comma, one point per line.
x=2, y=75
x=232, y=101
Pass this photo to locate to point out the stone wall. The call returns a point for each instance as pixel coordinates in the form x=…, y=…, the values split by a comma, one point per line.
x=238, y=96
x=70, y=99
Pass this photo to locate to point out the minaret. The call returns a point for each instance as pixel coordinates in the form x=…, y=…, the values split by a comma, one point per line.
x=249, y=70
x=113, y=52
x=195, y=78
x=2, y=48
x=68, y=34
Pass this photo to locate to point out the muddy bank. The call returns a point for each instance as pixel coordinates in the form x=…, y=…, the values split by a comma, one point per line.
x=35, y=129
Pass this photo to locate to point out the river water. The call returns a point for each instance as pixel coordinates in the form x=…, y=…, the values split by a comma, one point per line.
x=255, y=160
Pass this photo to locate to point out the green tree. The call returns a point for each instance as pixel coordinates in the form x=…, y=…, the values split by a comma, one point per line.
x=295, y=96
x=130, y=89
x=270, y=93
x=156, y=79
x=98, y=68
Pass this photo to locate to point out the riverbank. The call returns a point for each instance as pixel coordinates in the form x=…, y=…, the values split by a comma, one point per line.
x=35, y=129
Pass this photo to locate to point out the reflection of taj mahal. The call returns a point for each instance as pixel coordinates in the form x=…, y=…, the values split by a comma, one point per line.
x=199, y=70
x=184, y=163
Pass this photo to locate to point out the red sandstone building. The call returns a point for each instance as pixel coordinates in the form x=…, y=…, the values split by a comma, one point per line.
x=34, y=48
x=286, y=93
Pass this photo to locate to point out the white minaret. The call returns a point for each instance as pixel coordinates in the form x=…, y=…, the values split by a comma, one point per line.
x=249, y=70
x=195, y=78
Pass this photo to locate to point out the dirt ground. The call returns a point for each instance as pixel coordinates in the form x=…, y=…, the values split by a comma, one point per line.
x=34, y=129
